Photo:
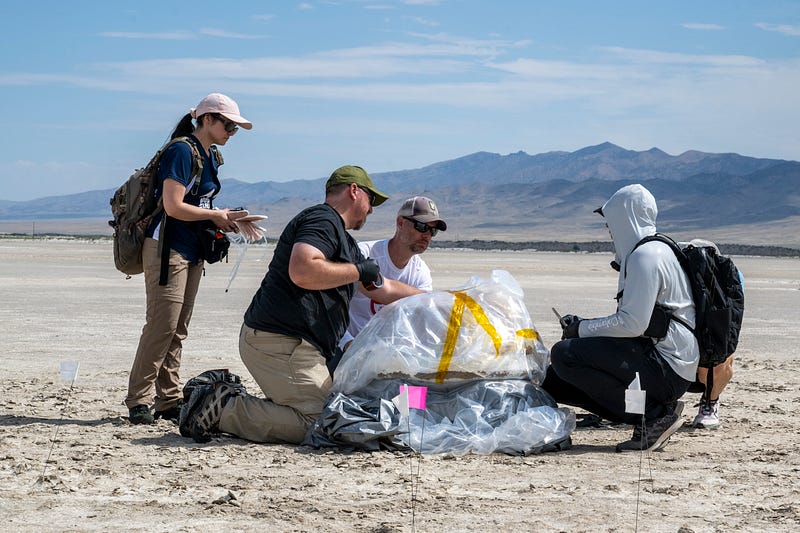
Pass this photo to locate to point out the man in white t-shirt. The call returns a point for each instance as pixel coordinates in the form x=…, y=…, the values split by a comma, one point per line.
x=418, y=221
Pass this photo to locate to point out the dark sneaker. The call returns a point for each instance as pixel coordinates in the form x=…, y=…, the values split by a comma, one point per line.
x=140, y=414
x=655, y=434
x=635, y=443
x=171, y=413
x=199, y=417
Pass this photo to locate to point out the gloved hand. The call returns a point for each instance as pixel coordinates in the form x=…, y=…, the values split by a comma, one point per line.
x=368, y=271
x=569, y=326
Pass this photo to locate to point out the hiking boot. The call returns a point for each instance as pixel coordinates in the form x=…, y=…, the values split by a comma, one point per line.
x=171, y=413
x=140, y=414
x=707, y=416
x=199, y=417
x=655, y=434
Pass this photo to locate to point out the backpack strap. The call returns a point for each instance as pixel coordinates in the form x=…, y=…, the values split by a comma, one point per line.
x=660, y=237
x=197, y=164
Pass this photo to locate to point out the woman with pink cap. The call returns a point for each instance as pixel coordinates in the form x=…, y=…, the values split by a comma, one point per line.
x=187, y=200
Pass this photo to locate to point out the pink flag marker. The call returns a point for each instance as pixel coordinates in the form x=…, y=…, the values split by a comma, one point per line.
x=416, y=396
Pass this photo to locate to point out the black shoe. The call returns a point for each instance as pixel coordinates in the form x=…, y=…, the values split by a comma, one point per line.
x=171, y=413
x=140, y=414
x=656, y=433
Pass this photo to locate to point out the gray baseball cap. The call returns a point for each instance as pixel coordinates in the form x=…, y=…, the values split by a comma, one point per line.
x=422, y=209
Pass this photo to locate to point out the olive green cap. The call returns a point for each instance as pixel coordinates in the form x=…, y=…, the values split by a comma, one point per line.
x=359, y=176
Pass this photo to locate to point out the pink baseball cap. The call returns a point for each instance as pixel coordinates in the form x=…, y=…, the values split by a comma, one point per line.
x=224, y=105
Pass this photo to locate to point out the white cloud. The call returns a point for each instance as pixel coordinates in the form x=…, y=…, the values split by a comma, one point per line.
x=213, y=32
x=282, y=68
x=702, y=26
x=786, y=29
x=461, y=73
x=264, y=17
x=537, y=68
x=173, y=35
x=657, y=57
x=474, y=46
x=422, y=21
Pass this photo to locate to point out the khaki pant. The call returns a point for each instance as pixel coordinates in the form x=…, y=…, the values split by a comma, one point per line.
x=169, y=310
x=295, y=381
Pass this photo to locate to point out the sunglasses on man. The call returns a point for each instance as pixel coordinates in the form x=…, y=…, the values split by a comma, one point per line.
x=370, y=194
x=422, y=227
x=229, y=126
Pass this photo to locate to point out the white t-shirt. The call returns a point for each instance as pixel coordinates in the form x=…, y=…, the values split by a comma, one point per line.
x=416, y=273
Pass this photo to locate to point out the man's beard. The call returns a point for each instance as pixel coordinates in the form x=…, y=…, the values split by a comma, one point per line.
x=418, y=248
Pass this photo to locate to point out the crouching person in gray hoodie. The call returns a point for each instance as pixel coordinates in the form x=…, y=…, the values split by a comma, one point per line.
x=597, y=359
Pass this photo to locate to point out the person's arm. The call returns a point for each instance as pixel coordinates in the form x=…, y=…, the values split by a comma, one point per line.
x=173, y=194
x=641, y=291
x=346, y=340
x=311, y=270
x=390, y=291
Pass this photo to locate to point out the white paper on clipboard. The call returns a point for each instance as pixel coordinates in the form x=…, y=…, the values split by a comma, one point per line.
x=252, y=218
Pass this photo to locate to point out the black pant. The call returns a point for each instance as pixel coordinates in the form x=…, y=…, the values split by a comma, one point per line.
x=593, y=373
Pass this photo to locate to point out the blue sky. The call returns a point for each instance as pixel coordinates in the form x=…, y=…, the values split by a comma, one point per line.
x=90, y=89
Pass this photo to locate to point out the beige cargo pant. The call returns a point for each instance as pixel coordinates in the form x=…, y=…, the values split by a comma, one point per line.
x=295, y=381
x=169, y=310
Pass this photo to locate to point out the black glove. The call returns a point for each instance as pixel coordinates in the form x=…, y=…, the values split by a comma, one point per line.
x=368, y=271
x=569, y=325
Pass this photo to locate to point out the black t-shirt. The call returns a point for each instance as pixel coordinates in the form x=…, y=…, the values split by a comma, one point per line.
x=280, y=306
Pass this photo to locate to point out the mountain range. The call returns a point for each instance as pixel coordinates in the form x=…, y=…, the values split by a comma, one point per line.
x=727, y=197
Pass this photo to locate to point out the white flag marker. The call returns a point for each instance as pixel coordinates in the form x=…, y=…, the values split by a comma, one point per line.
x=69, y=371
x=635, y=397
x=401, y=400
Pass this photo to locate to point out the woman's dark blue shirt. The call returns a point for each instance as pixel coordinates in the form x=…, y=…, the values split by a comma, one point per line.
x=176, y=164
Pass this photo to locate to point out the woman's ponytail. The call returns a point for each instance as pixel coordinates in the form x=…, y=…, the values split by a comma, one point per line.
x=184, y=127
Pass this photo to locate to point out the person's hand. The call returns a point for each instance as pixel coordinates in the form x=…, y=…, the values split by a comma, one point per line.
x=250, y=231
x=368, y=271
x=569, y=326
x=220, y=218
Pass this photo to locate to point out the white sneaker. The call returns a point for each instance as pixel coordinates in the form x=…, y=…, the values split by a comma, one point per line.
x=707, y=416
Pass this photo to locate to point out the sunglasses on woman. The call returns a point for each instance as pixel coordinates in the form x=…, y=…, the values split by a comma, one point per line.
x=229, y=126
x=422, y=227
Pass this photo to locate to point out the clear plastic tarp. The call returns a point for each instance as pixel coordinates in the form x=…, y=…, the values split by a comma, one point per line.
x=478, y=331
x=475, y=349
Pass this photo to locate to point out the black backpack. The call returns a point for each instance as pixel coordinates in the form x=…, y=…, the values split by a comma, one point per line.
x=718, y=295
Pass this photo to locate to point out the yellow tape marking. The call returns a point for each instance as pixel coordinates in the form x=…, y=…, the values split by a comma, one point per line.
x=528, y=334
x=461, y=301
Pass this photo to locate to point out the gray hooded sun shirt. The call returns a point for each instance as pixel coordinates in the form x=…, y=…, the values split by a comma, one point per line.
x=651, y=274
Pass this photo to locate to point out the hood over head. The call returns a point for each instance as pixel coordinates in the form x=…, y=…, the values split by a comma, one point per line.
x=631, y=215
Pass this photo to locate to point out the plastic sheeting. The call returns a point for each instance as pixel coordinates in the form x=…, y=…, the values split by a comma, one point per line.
x=482, y=417
x=479, y=331
x=476, y=350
